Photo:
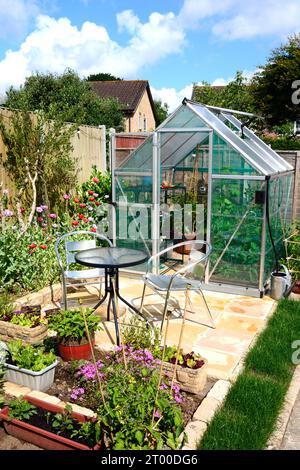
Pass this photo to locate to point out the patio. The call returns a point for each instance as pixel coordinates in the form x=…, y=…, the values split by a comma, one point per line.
x=238, y=320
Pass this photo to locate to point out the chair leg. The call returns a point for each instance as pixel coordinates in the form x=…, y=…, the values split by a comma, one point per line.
x=208, y=309
x=65, y=301
x=143, y=298
x=165, y=309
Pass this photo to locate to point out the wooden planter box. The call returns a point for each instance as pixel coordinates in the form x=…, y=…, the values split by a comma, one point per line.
x=40, y=437
x=9, y=331
x=190, y=380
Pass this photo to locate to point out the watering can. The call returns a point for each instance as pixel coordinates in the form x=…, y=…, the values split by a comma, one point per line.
x=280, y=283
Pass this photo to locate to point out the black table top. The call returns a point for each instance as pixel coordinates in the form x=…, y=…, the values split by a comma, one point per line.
x=111, y=257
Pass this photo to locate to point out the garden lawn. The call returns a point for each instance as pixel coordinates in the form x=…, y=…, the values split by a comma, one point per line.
x=249, y=413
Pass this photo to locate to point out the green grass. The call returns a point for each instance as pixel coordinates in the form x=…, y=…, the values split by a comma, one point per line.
x=249, y=413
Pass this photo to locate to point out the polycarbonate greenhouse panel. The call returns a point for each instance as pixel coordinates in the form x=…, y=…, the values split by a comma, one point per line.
x=236, y=232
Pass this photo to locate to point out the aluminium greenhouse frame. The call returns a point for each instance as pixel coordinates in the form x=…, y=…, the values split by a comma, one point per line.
x=267, y=165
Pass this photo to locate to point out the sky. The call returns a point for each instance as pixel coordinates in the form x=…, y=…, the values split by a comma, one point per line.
x=171, y=43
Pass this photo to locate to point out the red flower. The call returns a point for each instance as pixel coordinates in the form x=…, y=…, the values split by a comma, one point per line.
x=91, y=198
x=82, y=205
x=93, y=229
x=85, y=220
x=76, y=200
x=43, y=247
x=32, y=246
x=40, y=219
x=22, y=210
x=96, y=180
x=90, y=191
x=75, y=223
x=97, y=203
x=81, y=216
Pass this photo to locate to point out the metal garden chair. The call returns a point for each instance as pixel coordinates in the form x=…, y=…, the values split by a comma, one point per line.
x=72, y=247
x=187, y=277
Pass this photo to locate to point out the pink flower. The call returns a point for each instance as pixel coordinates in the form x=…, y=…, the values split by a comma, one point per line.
x=39, y=209
x=52, y=216
x=40, y=219
x=96, y=180
x=93, y=229
x=45, y=208
x=7, y=213
x=82, y=205
x=66, y=197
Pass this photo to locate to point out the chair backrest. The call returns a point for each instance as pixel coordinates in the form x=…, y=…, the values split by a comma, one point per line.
x=199, y=252
x=72, y=247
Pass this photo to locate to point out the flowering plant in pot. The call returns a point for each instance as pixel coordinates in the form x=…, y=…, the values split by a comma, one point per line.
x=30, y=366
x=71, y=325
x=49, y=426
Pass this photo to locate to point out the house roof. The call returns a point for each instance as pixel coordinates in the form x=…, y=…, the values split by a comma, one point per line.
x=128, y=92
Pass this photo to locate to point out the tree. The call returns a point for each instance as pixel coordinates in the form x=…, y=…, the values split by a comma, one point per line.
x=66, y=97
x=272, y=86
x=102, y=77
x=236, y=95
x=161, y=111
x=37, y=160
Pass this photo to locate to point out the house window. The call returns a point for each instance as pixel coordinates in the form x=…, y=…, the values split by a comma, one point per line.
x=140, y=122
x=145, y=124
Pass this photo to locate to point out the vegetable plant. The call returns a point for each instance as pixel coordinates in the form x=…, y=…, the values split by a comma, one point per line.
x=30, y=357
x=62, y=422
x=21, y=409
x=70, y=325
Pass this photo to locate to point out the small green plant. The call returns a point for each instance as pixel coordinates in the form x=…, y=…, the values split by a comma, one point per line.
x=70, y=325
x=190, y=360
x=25, y=319
x=21, y=409
x=30, y=357
x=6, y=306
x=138, y=336
x=89, y=432
x=62, y=422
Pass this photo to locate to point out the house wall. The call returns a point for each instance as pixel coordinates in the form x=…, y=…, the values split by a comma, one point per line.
x=89, y=149
x=143, y=111
x=293, y=157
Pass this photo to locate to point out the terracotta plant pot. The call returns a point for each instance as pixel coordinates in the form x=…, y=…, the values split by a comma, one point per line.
x=74, y=352
x=190, y=380
x=40, y=437
x=185, y=250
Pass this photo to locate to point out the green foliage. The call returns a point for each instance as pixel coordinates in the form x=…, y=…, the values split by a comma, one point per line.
x=247, y=418
x=190, y=360
x=38, y=159
x=21, y=409
x=99, y=183
x=102, y=77
x=22, y=268
x=161, y=111
x=293, y=251
x=66, y=97
x=70, y=326
x=272, y=85
x=127, y=415
x=282, y=142
x=23, y=319
x=236, y=95
x=62, y=422
x=89, y=433
x=138, y=336
x=30, y=357
x=6, y=305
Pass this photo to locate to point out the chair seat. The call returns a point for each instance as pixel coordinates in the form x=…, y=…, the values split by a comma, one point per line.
x=162, y=281
x=84, y=274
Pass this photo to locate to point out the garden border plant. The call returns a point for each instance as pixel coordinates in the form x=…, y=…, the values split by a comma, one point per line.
x=252, y=406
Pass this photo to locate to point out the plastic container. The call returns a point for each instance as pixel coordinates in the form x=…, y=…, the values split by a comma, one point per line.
x=40, y=381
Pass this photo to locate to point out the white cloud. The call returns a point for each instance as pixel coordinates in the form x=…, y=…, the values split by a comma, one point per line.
x=15, y=16
x=237, y=19
x=57, y=44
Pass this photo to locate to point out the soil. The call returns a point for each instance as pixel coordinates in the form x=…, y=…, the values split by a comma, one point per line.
x=64, y=383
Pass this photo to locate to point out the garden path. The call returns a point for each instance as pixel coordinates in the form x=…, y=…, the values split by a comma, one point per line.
x=291, y=439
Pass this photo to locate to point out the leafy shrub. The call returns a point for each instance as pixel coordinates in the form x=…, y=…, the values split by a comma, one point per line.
x=30, y=357
x=6, y=306
x=138, y=336
x=70, y=325
x=126, y=417
x=21, y=409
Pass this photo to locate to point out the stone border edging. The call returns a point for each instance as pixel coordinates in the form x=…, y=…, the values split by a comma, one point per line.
x=277, y=436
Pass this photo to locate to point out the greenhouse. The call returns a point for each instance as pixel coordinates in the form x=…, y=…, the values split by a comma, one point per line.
x=204, y=174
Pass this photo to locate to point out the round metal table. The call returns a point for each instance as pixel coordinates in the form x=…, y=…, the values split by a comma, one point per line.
x=111, y=259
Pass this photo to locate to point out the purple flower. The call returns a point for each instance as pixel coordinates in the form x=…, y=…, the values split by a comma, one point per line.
x=163, y=386
x=7, y=213
x=67, y=197
x=157, y=414
x=45, y=208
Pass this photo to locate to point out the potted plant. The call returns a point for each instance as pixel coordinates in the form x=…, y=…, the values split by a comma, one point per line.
x=24, y=323
x=191, y=368
x=73, y=343
x=49, y=426
x=30, y=366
